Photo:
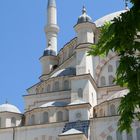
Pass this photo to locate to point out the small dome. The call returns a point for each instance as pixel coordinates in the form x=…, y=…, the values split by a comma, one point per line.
x=100, y=22
x=64, y=72
x=118, y=94
x=54, y=104
x=9, y=108
x=84, y=17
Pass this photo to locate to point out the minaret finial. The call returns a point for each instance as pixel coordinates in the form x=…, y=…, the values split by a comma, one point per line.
x=84, y=10
x=51, y=28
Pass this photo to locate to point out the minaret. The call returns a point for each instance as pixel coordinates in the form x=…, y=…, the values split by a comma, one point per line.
x=49, y=58
x=52, y=29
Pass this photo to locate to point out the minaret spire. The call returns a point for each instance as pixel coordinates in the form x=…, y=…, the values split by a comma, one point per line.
x=49, y=58
x=52, y=28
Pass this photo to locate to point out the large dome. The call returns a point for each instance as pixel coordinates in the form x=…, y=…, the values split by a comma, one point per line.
x=9, y=108
x=100, y=22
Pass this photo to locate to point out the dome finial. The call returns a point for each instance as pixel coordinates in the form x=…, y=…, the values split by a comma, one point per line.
x=84, y=10
x=126, y=5
x=6, y=102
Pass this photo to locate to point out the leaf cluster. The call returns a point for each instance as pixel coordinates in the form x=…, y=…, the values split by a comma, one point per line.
x=121, y=36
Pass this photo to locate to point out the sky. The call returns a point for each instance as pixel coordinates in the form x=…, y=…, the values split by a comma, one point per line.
x=22, y=39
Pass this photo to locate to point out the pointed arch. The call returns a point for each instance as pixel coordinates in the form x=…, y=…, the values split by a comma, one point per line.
x=45, y=117
x=0, y=122
x=112, y=109
x=138, y=133
x=80, y=93
x=109, y=138
x=32, y=119
x=110, y=68
x=129, y=136
x=13, y=121
x=118, y=135
x=111, y=79
x=66, y=85
x=56, y=86
x=102, y=81
x=59, y=116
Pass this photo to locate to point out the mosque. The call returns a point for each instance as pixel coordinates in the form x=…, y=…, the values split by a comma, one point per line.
x=75, y=97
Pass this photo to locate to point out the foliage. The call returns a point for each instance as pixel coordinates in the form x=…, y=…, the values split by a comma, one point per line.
x=121, y=36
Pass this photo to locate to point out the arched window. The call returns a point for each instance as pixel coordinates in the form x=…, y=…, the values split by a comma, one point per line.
x=48, y=88
x=109, y=138
x=37, y=90
x=56, y=86
x=33, y=119
x=45, y=117
x=0, y=123
x=110, y=68
x=129, y=136
x=80, y=93
x=138, y=133
x=66, y=85
x=117, y=63
x=103, y=81
x=59, y=116
x=118, y=135
x=13, y=121
x=111, y=78
x=112, y=109
x=41, y=90
x=101, y=112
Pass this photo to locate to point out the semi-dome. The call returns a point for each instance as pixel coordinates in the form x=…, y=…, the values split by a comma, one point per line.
x=9, y=108
x=84, y=17
x=118, y=94
x=65, y=72
x=54, y=104
x=100, y=22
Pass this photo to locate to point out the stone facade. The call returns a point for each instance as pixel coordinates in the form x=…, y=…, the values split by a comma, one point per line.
x=75, y=97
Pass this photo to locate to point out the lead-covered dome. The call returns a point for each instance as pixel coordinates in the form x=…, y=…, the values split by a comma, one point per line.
x=9, y=108
x=65, y=72
x=54, y=104
x=100, y=22
x=84, y=17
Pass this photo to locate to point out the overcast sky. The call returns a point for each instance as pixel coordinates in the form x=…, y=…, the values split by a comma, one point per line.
x=22, y=39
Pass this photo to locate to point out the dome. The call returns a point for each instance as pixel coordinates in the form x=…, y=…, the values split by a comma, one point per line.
x=65, y=72
x=84, y=17
x=100, y=22
x=9, y=108
x=118, y=94
x=54, y=104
